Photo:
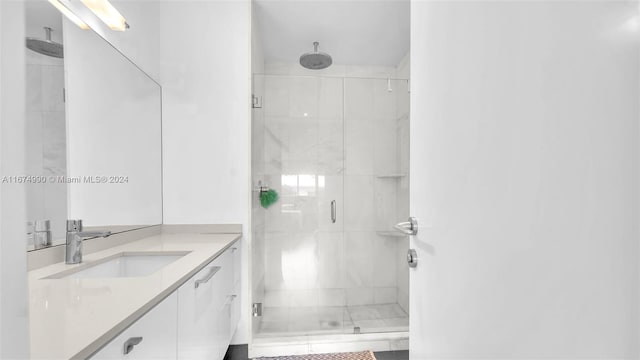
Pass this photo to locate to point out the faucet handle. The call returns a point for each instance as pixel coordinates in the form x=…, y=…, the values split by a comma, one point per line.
x=74, y=225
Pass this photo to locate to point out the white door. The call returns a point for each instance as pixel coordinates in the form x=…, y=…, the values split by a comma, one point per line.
x=524, y=179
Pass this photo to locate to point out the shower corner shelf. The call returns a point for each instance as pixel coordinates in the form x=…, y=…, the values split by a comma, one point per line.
x=391, y=176
x=391, y=233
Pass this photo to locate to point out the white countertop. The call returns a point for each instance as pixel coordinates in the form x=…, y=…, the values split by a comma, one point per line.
x=73, y=318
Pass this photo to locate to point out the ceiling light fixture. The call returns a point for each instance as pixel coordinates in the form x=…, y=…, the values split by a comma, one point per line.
x=107, y=13
x=71, y=16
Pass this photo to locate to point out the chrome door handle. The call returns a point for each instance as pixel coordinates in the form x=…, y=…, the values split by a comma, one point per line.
x=412, y=258
x=206, y=279
x=333, y=211
x=409, y=227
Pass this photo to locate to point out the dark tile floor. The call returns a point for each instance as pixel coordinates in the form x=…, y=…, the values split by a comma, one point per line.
x=392, y=355
x=240, y=352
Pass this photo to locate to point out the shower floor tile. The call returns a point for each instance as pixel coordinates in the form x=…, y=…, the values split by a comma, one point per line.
x=286, y=321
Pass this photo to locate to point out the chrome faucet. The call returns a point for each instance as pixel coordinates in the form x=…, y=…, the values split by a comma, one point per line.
x=73, y=254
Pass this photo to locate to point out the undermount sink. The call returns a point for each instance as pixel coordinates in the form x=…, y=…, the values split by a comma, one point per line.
x=125, y=264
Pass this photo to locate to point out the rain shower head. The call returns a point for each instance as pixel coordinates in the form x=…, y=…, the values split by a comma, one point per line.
x=46, y=47
x=315, y=60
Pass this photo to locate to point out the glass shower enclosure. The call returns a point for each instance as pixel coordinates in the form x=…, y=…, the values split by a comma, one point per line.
x=325, y=257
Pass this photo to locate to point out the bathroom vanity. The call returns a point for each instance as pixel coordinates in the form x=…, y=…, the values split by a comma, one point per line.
x=167, y=296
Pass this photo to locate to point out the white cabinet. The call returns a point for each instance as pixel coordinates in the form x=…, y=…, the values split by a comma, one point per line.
x=154, y=333
x=197, y=321
x=198, y=302
x=204, y=312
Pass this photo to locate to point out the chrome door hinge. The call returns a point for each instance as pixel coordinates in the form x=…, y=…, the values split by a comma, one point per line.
x=256, y=102
x=256, y=309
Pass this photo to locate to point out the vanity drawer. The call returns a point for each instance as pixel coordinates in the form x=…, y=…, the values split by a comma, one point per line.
x=153, y=336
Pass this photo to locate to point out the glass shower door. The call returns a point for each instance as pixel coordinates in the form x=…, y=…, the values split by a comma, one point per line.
x=302, y=234
x=326, y=259
x=376, y=197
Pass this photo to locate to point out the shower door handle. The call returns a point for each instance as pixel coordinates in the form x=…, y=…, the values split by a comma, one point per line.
x=333, y=211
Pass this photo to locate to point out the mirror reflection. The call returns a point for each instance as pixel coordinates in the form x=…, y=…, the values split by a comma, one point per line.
x=93, y=132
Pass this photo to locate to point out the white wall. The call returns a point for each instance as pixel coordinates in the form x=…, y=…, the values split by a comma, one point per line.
x=525, y=124
x=205, y=72
x=13, y=280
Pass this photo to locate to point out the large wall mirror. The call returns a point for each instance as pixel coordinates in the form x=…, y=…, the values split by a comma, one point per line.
x=94, y=147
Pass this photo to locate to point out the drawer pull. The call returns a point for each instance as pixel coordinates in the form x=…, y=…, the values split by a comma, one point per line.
x=129, y=344
x=206, y=279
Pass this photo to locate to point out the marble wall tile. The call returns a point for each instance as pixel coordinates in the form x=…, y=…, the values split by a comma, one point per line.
x=276, y=298
x=331, y=260
x=34, y=134
x=402, y=274
x=276, y=96
x=384, y=271
x=359, y=296
x=34, y=88
x=359, y=203
x=303, y=96
x=385, y=295
x=385, y=150
x=54, y=143
x=291, y=261
x=385, y=203
x=291, y=145
x=331, y=98
x=332, y=297
x=359, y=99
x=359, y=146
x=359, y=260
x=52, y=88
x=304, y=298
x=384, y=100
x=297, y=207
x=331, y=146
